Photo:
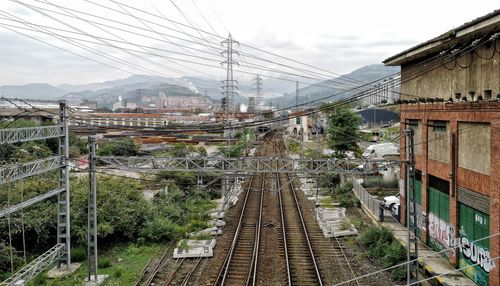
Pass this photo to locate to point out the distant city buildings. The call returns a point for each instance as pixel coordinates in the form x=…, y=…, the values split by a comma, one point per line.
x=91, y=104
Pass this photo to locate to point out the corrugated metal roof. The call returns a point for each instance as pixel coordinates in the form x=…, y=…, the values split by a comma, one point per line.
x=437, y=41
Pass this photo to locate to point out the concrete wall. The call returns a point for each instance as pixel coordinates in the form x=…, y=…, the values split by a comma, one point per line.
x=476, y=71
x=439, y=143
x=474, y=147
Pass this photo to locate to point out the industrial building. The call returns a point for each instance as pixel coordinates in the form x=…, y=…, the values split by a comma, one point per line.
x=453, y=106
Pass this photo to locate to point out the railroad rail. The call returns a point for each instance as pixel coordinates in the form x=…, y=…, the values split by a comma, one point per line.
x=239, y=267
x=302, y=268
x=273, y=238
x=148, y=275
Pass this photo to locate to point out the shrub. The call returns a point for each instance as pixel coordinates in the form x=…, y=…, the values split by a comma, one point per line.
x=104, y=262
x=358, y=223
x=159, y=229
x=78, y=254
x=118, y=272
x=381, y=245
x=394, y=254
x=376, y=239
x=399, y=273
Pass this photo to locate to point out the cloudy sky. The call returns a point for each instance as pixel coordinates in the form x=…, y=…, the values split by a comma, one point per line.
x=116, y=38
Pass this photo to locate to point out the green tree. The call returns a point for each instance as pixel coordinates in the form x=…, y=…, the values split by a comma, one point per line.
x=78, y=144
x=343, y=130
x=120, y=147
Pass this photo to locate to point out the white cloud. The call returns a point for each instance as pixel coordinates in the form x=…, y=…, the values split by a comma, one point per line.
x=335, y=35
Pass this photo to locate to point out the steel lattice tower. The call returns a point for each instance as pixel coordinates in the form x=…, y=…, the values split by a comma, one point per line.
x=258, y=90
x=229, y=86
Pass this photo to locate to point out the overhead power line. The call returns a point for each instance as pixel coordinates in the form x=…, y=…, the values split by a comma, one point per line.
x=126, y=24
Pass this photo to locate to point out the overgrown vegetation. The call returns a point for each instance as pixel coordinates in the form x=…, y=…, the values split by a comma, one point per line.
x=343, y=195
x=125, y=215
x=240, y=146
x=124, y=263
x=380, y=246
x=119, y=147
x=294, y=147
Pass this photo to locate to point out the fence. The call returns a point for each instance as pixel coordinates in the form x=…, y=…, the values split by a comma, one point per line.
x=367, y=200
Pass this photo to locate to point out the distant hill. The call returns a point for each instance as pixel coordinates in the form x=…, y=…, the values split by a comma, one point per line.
x=130, y=92
x=325, y=88
x=135, y=86
x=33, y=90
x=131, y=80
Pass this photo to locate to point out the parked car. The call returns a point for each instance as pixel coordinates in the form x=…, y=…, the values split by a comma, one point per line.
x=390, y=201
x=380, y=150
x=395, y=210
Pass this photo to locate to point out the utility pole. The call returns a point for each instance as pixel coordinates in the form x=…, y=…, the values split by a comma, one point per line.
x=411, y=214
x=92, y=215
x=63, y=198
x=258, y=90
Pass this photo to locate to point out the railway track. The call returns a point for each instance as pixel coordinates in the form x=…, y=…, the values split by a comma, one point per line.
x=302, y=268
x=152, y=270
x=272, y=239
x=240, y=265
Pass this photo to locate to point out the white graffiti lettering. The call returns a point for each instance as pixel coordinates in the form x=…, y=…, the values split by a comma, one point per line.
x=442, y=232
x=476, y=254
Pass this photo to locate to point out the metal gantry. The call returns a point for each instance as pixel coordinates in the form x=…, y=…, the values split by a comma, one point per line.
x=14, y=135
x=36, y=266
x=246, y=165
x=13, y=172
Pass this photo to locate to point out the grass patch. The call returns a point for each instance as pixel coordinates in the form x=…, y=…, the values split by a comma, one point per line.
x=131, y=257
x=345, y=225
x=327, y=202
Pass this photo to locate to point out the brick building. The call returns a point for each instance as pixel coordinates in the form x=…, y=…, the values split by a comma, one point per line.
x=457, y=143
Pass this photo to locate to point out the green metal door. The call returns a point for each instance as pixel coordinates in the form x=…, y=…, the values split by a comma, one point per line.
x=473, y=227
x=441, y=232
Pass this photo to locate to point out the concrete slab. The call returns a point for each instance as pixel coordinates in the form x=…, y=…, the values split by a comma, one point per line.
x=217, y=214
x=332, y=222
x=197, y=242
x=330, y=233
x=216, y=222
x=100, y=280
x=212, y=231
x=193, y=252
x=323, y=214
x=63, y=271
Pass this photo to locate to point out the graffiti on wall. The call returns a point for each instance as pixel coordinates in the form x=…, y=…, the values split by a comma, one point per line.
x=473, y=254
x=442, y=234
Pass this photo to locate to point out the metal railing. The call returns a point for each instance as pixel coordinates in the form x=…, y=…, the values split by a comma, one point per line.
x=366, y=199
